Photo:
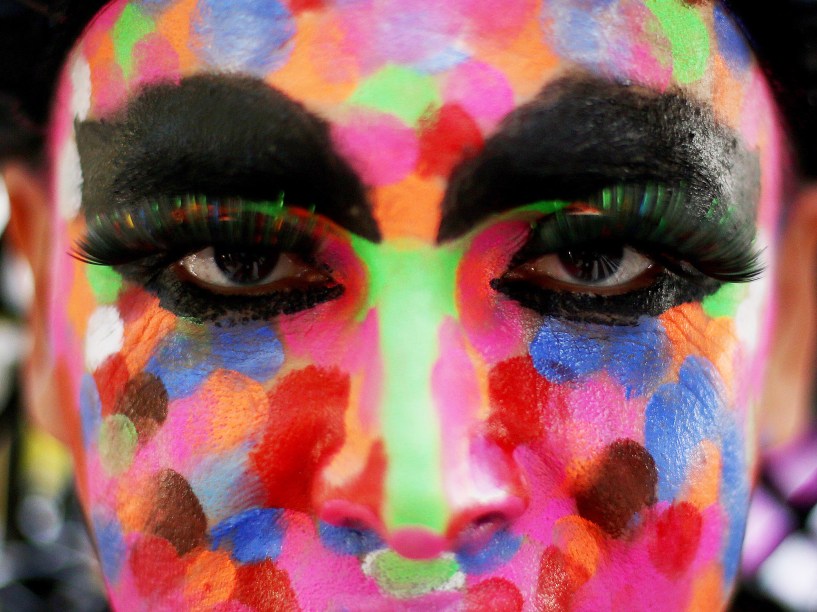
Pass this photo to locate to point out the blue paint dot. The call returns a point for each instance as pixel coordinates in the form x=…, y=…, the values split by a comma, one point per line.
x=562, y=352
x=252, y=350
x=347, y=541
x=638, y=357
x=731, y=43
x=247, y=35
x=678, y=417
x=90, y=407
x=735, y=495
x=182, y=363
x=499, y=550
x=111, y=545
x=252, y=536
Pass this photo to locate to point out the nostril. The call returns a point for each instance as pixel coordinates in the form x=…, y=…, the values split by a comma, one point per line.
x=476, y=529
x=348, y=515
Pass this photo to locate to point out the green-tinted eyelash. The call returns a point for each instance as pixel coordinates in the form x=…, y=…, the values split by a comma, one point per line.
x=658, y=220
x=184, y=223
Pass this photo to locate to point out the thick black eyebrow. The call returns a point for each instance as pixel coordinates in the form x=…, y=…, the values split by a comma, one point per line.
x=218, y=136
x=580, y=135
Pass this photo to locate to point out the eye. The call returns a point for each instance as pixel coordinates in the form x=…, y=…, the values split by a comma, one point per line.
x=231, y=271
x=606, y=269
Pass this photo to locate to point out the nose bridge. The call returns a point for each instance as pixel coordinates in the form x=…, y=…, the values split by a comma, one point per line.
x=412, y=287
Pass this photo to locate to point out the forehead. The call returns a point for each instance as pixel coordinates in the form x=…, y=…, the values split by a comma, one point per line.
x=404, y=57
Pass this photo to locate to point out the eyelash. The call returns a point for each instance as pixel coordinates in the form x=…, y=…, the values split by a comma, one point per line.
x=144, y=241
x=654, y=220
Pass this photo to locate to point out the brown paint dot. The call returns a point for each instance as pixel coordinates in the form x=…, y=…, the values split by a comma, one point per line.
x=623, y=481
x=177, y=515
x=144, y=401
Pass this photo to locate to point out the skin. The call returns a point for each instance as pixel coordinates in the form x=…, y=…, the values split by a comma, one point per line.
x=427, y=443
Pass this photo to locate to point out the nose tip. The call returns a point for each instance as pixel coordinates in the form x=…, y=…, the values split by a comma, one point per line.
x=468, y=532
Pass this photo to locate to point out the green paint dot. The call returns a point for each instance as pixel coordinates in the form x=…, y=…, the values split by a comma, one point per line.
x=129, y=29
x=399, y=91
x=117, y=443
x=725, y=301
x=403, y=577
x=688, y=37
x=105, y=283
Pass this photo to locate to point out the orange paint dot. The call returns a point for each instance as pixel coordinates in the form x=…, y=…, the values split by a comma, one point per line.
x=210, y=579
x=174, y=25
x=236, y=407
x=580, y=540
x=410, y=208
x=705, y=476
x=146, y=324
x=707, y=591
x=319, y=72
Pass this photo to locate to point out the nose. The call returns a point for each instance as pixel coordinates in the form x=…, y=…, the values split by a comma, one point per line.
x=443, y=486
x=466, y=531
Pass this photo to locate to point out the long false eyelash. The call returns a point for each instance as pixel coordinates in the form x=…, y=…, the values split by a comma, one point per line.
x=656, y=219
x=185, y=223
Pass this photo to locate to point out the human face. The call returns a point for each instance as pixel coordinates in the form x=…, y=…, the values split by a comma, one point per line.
x=402, y=305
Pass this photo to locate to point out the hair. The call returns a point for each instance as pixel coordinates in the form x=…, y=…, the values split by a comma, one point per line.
x=784, y=38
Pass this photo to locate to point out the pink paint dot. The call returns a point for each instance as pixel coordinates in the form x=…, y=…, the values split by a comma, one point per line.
x=109, y=89
x=480, y=89
x=156, y=60
x=379, y=147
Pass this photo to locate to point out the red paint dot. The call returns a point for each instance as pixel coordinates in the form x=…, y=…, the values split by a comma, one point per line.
x=111, y=378
x=155, y=565
x=559, y=579
x=518, y=394
x=265, y=588
x=447, y=138
x=496, y=594
x=299, y=6
x=305, y=429
x=675, y=538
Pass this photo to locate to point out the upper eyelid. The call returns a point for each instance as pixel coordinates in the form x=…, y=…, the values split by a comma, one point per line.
x=191, y=221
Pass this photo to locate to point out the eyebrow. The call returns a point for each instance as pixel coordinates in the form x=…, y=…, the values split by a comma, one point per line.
x=583, y=134
x=218, y=136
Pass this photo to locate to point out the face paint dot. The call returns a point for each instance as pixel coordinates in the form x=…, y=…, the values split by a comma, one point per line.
x=264, y=44
x=117, y=443
x=105, y=283
x=399, y=91
x=621, y=483
x=688, y=36
x=210, y=579
x=559, y=579
x=498, y=551
x=518, y=395
x=144, y=402
x=252, y=536
x=111, y=545
x=348, y=541
x=395, y=143
x=155, y=565
x=90, y=407
x=131, y=26
x=80, y=76
x=403, y=577
x=447, y=138
x=725, y=301
x=69, y=180
x=495, y=594
x=562, y=352
x=675, y=538
x=177, y=515
x=104, y=338
x=264, y=587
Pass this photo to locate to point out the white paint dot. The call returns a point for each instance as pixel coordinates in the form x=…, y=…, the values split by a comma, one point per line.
x=80, y=76
x=104, y=337
x=69, y=180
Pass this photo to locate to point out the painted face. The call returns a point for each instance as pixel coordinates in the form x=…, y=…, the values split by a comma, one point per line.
x=381, y=304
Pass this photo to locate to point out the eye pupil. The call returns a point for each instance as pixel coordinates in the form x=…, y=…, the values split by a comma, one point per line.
x=245, y=267
x=592, y=265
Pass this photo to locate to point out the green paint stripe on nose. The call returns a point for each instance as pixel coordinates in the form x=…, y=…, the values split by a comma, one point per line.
x=412, y=287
